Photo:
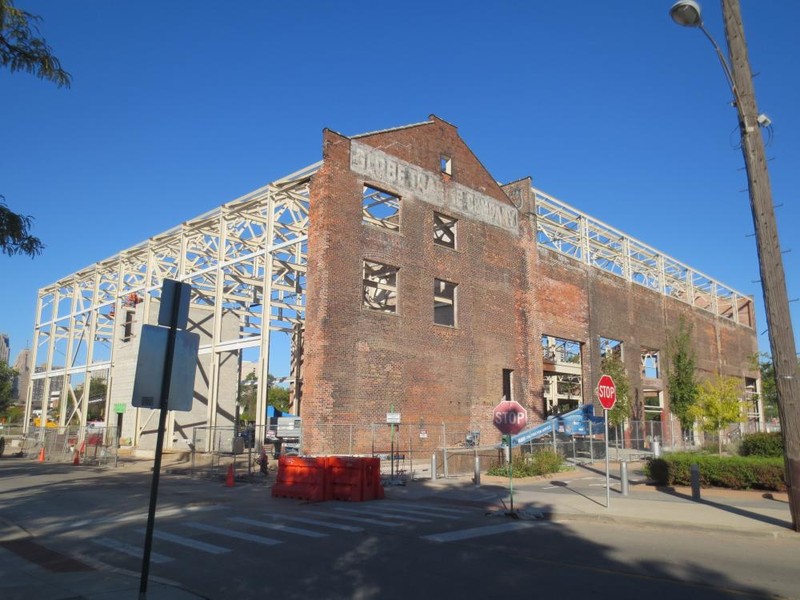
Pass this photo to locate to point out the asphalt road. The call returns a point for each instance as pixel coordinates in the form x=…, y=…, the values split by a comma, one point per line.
x=238, y=542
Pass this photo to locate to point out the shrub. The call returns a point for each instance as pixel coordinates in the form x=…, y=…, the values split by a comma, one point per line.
x=762, y=444
x=734, y=472
x=540, y=462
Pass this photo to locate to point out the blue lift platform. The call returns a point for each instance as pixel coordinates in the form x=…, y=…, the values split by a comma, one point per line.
x=573, y=423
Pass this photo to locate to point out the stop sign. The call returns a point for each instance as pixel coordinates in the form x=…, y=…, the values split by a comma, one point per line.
x=510, y=417
x=607, y=392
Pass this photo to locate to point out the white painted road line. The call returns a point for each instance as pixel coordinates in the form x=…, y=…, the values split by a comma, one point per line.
x=191, y=543
x=130, y=549
x=355, y=519
x=382, y=513
x=465, y=534
x=235, y=534
x=433, y=507
x=338, y=526
x=425, y=513
x=278, y=527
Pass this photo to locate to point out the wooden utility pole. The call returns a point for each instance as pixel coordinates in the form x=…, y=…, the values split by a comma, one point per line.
x=770, y=260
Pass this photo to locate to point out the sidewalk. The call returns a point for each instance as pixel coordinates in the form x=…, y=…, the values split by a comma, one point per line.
x=754, y=513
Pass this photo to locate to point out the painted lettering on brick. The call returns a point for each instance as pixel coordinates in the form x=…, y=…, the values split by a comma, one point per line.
x=407, y=179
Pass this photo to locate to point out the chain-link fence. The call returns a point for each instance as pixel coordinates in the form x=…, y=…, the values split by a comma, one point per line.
x=84, y=445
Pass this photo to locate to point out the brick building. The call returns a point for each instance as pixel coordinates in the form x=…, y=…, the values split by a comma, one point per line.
x=408, y=280
x=432, y=292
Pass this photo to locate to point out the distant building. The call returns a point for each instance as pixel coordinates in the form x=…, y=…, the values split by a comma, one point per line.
x=23, y=378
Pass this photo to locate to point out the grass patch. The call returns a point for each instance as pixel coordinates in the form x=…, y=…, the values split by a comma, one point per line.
x=533, y=464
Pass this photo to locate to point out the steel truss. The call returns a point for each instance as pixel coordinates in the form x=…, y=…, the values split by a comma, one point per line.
x=249, y=258
x=572, y=233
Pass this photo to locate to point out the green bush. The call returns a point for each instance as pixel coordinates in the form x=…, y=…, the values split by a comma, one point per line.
x=540, y=462
x=762, y=444
x=734, y=472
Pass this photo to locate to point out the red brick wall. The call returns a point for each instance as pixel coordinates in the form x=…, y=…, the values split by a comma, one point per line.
x=359, y=364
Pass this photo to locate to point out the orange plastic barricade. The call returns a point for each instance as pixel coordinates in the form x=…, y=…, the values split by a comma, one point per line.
x=345, y=478
x=300, y=477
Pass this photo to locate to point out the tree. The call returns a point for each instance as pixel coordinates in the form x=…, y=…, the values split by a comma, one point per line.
x=718, y=404
x=97, y=396
x=14, y=236
x=7, y=375
x=22, y=49
x=681, y=378
x=769, y=391
x=613, y=366
x=277, y=396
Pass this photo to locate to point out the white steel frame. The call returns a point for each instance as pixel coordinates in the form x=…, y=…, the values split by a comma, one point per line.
x=249, y=257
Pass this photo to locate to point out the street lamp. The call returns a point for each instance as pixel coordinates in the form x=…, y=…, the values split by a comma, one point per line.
x=770, y=261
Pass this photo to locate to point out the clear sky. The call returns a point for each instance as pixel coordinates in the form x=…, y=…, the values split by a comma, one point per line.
x=177, y=107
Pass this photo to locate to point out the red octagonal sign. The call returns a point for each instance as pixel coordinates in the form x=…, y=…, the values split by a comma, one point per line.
x=607, y=392
x=510, y=417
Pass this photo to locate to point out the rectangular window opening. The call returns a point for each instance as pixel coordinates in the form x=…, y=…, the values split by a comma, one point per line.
x=508, y=379
x=650, y=366
x=444, y=230
x=444, y=302
x=380, y=287
x=446, y=164
x=127, y=326
x=380, y=208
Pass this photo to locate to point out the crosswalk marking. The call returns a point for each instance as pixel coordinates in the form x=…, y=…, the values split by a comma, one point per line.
x=355, y=519
x=130, y=549
x=338, y=526
x=279, y=527
x=426, y=513
x=429, y=507
x=465, y=534
x=383, y=514
x=191, y=543
x=235, y=534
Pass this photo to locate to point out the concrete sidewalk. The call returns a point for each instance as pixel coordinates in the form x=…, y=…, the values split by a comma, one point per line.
x=566, y=497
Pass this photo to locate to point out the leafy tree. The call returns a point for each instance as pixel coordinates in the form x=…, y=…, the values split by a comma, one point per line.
x=769, y=391
x=613, y=366
x=22, y=49
x=14, y=235
x=718, y=404
x=248, y=389
x=279, y=398
x=97, y=392
x=681, y=378
x=7, y=375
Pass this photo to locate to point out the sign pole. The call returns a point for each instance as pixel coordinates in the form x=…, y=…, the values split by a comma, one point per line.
x=608, y=487
x=510, y=473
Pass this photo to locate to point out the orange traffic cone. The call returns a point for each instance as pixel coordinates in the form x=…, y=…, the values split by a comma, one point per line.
x=41, y=455
x=229, y=481
x=77, y=458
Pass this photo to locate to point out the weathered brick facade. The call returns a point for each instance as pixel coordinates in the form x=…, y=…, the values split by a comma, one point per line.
x=360, y=363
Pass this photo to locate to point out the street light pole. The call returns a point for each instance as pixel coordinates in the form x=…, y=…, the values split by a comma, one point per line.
x=770, y=259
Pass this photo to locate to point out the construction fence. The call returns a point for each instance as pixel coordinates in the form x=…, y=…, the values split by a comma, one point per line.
x=90, y=445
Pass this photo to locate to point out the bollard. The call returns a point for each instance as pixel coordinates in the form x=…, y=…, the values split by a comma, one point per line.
x=695, y=470
x=433, y=466
x=623, y=477
x=656, y=449
x=477, y=478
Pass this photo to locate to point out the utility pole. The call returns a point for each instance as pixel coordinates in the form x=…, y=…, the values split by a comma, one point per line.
x=770, y=260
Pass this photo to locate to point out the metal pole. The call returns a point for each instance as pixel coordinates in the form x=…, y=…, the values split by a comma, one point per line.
x=608, y=484
x=695, y=475
x=477, y=477
x=433, y=466
x=510, y=474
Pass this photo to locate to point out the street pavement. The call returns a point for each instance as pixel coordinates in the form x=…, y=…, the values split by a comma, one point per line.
x=30, y=571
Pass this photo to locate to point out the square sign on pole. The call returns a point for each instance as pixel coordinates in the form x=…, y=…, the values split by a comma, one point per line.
x=150, y=369
x=173, y=292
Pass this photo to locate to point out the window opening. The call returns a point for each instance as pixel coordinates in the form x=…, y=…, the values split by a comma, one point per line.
x=650, y=366
x=610, y=348
x=380, y=208
x=507, y=381
x=751, y=399
x=446, y=165
x=380, y=287
x=444, y=302
x=563, y=382
x=653, y=405
x=127, y=326
x=444, y=230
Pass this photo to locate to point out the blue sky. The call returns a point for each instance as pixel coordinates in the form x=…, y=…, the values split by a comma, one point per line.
x=177, y=107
